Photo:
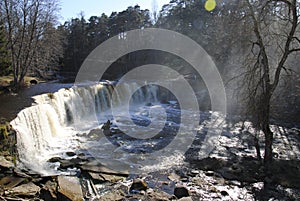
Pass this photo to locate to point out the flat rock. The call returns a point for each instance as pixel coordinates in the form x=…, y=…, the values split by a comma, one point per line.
x=5, y=163
x=99, y=168
x=70, y=188
x=27, y=190
x=9, y=182
x=101, y=177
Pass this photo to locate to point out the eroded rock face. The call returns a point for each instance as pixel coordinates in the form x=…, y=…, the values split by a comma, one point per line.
x=5, y=163
x=70, y=188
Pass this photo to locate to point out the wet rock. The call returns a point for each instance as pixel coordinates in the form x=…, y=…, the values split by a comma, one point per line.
x=224, y=193
x=148, y=104
x=107, y=125
x=69, y=188
x=209, y=173
x=194, y=172
x=99, y=168
x=27, y=190
x=138, y=185
x=64, y=164
x=5, y=163
x=81, y=155
x=184, y=179
x=9, y=182
x=77, y=161
x=48, y=192
x=20, y=173
x=54, y=159
x=84, y=158
x=181, y=191
x=70, y=153
x=101, y=177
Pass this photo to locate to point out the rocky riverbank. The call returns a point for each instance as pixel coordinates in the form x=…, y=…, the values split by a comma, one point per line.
x=230, y=173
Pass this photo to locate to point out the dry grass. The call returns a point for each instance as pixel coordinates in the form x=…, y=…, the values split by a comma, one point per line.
x=5, y=80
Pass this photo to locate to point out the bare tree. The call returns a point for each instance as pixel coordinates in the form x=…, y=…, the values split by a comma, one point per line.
x=274, y=24
x=50, y=51
x=27, y=23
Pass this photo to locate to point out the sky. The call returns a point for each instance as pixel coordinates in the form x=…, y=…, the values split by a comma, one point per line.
x=72, y=8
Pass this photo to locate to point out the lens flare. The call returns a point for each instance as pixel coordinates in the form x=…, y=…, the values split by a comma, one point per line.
x=210, y=5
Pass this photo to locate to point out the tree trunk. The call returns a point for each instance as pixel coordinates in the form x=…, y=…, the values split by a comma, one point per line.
x=257, y=147
x=268, y=145
x=265, y=124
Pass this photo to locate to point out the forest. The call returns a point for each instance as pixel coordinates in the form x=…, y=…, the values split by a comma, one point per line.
x=255, y=45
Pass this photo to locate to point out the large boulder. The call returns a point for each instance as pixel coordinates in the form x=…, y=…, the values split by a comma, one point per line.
x=69, y=188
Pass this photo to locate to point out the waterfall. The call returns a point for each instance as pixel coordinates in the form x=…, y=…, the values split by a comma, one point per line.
x=50, y=125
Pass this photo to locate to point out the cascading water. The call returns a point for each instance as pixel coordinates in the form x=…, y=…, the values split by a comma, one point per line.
x=50, y=126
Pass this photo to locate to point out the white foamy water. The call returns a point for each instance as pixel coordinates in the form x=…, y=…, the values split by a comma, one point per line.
x=57, y=122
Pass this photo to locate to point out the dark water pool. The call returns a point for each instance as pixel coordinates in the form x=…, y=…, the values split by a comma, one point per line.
x=12, y=104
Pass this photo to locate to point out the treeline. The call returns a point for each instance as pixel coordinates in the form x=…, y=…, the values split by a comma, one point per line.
x=83, y=35
x=212, y=30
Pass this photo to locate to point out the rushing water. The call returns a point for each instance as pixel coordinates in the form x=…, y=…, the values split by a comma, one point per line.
x=58, y=122
x=70, y=120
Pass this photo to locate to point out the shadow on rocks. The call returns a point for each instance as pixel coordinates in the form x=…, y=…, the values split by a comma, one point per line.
x=283, y=174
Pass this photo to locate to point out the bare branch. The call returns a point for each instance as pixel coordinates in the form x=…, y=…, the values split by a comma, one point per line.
x=287, y=51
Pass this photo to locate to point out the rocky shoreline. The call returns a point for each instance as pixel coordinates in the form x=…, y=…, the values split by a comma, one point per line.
x=230, y=173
